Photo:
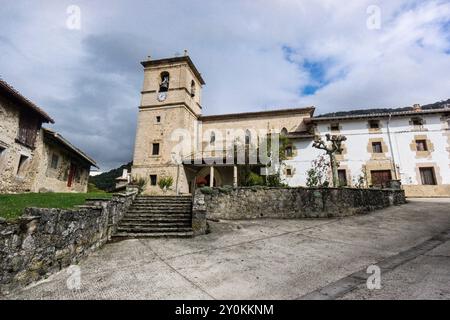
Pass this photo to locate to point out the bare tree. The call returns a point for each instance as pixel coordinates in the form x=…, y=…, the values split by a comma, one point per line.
x=331, y=146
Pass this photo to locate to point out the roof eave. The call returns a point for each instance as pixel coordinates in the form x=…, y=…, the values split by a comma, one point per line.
x=24, y=101
x=305, y=110
x=379, y=115
x=70, y=146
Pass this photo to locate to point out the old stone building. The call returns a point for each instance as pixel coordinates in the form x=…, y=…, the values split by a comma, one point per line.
x=174, y=139
x=32, y=158
x=411, y=146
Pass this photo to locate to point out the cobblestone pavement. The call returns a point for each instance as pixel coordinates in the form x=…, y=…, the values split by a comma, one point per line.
x=275, y=259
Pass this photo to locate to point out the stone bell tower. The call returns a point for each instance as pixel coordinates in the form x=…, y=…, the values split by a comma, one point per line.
x=171, y=99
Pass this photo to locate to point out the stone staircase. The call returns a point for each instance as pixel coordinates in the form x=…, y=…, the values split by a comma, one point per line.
x=157, y=216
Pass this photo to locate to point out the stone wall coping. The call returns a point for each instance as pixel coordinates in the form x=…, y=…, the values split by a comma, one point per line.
x=88, y=206
x=125, y=194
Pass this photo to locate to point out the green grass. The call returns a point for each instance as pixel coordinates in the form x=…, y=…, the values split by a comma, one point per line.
x=12, y=205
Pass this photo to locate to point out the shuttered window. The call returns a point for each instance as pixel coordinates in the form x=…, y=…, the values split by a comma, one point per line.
x=28, y=127
x=421, y=145
x=288, y=151
x=155, y=149
x=54, y=162
x=427, y=176
x=376, y=147
x=342, y=174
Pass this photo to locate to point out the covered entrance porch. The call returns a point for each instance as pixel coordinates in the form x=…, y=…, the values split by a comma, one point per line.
x=215, y=175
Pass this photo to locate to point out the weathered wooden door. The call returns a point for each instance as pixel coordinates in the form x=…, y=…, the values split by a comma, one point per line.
x=72, y=170
x=381, y=178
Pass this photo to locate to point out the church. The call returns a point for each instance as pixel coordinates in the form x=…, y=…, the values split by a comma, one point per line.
x=174, y=139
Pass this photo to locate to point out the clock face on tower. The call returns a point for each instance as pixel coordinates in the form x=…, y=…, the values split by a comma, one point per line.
x=162, y=96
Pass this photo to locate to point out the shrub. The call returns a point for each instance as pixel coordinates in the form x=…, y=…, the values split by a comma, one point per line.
x=275, y=181
x=317, y=175
x=165, y=183
x=226, y=189
x=254, y=179
x=139, y=182
x=206, y=190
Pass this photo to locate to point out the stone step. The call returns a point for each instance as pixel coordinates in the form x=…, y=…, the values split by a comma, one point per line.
x=148, y=212
x=125, y=235
x=184, y=224
x=150, y=198
x=163, y=199
x=160, y=208
x=153, y=230
x=155, y=220
x=157, y=215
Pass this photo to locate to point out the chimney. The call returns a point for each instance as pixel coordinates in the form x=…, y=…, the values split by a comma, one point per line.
x=417, y=107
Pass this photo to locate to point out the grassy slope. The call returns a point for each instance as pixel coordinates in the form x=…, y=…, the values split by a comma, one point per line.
x=12, y=205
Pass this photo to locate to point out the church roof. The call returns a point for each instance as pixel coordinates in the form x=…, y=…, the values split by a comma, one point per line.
x=255, y=114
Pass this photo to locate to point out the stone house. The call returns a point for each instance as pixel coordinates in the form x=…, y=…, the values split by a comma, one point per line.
x=33, y=158
x=174, y=139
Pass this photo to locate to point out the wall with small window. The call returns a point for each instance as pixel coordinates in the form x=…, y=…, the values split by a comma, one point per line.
x=422, y=146
x=61, y=170
x=19, y=143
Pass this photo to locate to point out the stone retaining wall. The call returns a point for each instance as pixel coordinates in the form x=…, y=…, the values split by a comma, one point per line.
x=262, y=202
x=43, y=241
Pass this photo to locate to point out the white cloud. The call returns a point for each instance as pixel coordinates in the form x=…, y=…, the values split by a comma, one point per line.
x=93, y=75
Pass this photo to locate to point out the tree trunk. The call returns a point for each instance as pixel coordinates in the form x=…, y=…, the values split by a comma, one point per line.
x=334, y=170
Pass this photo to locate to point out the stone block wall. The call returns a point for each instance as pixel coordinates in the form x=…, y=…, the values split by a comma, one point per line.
x=263, y=202
x=43, y=241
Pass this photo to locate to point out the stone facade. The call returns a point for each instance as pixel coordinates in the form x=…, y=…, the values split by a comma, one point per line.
x=291, y=203
x=11, y=178
x=178, y=117
x=159, y=119
x=46, y=161
x=43, y=241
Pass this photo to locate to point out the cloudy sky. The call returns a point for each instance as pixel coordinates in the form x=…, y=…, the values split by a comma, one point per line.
x=253, y=54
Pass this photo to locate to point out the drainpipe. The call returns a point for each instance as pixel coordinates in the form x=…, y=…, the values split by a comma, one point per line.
x=178, y=178
x=390, y=146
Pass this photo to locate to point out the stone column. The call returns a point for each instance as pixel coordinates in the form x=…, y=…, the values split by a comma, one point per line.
x=199, y=225
x=235, y=183
x=211, y=176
